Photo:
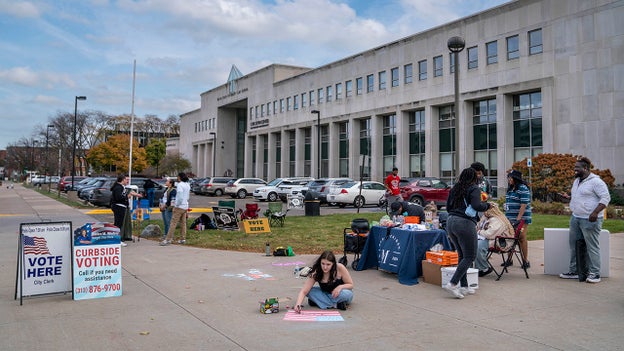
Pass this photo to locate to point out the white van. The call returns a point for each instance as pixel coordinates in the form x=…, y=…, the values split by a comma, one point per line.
x=269, y=192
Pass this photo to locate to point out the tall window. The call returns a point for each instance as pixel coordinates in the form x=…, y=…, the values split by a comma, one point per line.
x=282, y=105
x=417, y=143
x=265, y=157
x=324, y=151
x=349, y=88
x=311, y=95
x=330, y=93
x=320, y=95
x=513, y=48
x=484, y=138
x=395, y=76
x=535, y=42
x=437, y=66
x=338, y=91
x=359, y=85
x=422, y=70
x=389, y=143
x=288, y=103
x=407, y=73
x=275, y=107
x=304, y=100
x=253, y=157
x=292, y=152
x=268, y=107
x=370, y=83
x=365, y=146
x=473, y=57
x=491, y=50
x=446, y=125
x=296, y=102
x=527, y=125
x=262, y=110
x=343, y=149
x=382, y=80
x=307, y=151
x=452, y=63
x=278, y=155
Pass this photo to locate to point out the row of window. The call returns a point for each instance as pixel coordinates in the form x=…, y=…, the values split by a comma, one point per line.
x=335, y=92
x=207, y=124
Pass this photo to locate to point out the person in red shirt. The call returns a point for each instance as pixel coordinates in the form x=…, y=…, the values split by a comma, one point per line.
x=393, y=192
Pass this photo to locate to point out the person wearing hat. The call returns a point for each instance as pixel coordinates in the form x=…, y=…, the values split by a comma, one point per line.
x=405, y=208
x=517, y=208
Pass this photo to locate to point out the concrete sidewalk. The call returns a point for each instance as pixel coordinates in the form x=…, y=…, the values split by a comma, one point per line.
x=184, y=298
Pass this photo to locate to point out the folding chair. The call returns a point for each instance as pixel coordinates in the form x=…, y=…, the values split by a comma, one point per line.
x=508, y=247
x=275, y=214
x=251, y=211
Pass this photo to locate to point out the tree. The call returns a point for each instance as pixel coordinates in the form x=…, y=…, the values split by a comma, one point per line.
x=552, y=174
x=155, y=150
x=112, y=155
x=175, y=163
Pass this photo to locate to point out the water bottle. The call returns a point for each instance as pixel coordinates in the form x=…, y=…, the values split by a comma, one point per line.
x=267, y=249
x=297, y=269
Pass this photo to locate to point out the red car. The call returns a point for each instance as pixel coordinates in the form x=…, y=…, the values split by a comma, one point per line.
x=424, y=190
x=65, y=183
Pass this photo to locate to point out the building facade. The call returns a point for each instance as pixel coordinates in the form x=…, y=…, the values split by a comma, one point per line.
x=535, y=76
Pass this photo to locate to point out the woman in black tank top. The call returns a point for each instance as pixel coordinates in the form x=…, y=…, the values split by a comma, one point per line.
x=335, y=286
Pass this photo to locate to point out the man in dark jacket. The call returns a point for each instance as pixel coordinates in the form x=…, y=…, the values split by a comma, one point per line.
x=407, y=209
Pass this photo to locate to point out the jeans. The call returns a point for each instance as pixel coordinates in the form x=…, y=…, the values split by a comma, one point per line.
x=150, y=196
x=463, y=234
x=481, y=262
x=325, y=300
x=590, y=231
x=166, y=216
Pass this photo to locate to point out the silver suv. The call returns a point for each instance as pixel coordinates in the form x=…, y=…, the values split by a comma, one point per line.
x=321, y=186
x=242, y=186
x=269, y=192
x=216, y=186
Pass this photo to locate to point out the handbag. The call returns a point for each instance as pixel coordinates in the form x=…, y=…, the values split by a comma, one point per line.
x=470, y=212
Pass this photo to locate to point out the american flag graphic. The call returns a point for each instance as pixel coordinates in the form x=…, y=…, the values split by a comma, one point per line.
x=314, y=316
x=35, y=245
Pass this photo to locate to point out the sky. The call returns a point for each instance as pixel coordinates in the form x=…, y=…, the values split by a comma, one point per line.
x=52, y=51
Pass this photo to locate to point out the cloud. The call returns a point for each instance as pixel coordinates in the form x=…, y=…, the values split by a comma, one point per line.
x=23, y=9
x=47, y=100
x=20, y=75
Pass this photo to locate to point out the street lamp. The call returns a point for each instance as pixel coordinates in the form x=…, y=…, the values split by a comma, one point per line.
x=318, y=142
x=214, y=148
x=32, y=158
x=456, y=45
x=46, y=158
x=74, y=148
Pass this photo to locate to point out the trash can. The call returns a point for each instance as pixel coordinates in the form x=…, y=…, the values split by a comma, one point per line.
x=312, y=204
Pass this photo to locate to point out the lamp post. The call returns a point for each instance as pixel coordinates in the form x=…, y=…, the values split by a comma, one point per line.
x=32, y=158
x=318, y=142
x=214, y=148
x=74, y=148
x=47, y=179
x=456, y=45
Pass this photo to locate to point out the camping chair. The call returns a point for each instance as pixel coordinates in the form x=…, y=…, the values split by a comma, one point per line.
x=507, y=247
x=275, y=214
x=251, y=211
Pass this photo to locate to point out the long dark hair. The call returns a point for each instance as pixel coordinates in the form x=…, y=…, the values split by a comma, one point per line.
x=120, y=179
x=317, y=270
x=467, y=178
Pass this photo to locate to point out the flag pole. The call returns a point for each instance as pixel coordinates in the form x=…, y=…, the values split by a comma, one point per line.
x=132, y=122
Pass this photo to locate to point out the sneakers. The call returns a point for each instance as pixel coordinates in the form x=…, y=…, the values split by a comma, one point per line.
x=182, y=241
x=593, y=278
x=123, y=244
x=341, y=306
x=454, y=290
x=312, y=303
x=569, y=275
x=486, y=272
x=164, y=243
x=526, y=265
x=467, y=291
x=507, y=263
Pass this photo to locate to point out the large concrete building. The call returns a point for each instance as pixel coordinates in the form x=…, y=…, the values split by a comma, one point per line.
x=535, y=76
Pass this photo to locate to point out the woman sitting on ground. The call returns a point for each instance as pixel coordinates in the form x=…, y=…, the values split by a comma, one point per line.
x=492, y=224
x=335, y=284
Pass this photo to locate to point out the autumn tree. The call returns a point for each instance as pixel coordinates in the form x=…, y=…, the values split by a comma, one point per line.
x=553, y=174
x=174, y=163
x=155, y=151
x=112, y=155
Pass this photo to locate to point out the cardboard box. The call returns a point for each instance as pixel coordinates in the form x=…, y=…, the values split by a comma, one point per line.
x=432, y=273
x=472, y=275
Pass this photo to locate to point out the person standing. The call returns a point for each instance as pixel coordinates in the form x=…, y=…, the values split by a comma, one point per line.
x=483, y=182
x=181, y=205
x=393, y=192
x=166, y=205
x=335, y=288
x=121, y=207
x=517, y=208
x=589, y=197
x=462, y=228
x=150, y=189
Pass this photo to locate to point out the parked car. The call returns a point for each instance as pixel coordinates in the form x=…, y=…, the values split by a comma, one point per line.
x=424, y=190
x=243, y=186
x=65, y=183
x=195, y=183
x=215, y=186
x=349, y=194
x=197, y=187
x=101, y=196
x=322, y=185
x=84, y=191
x=269, y=192
x=293, y=187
